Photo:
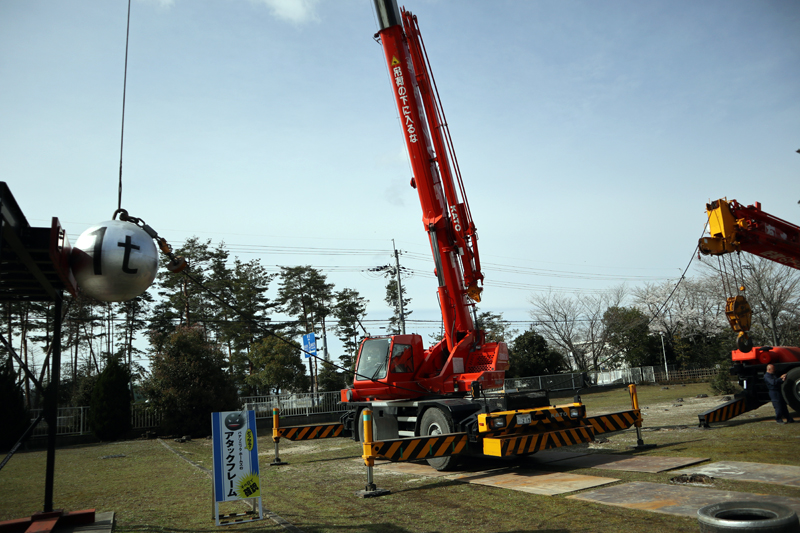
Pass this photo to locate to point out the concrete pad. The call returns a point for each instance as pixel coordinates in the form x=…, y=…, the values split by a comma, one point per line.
x=757, y=472
x=548, y=484
x=674, y=499
x=651, y=463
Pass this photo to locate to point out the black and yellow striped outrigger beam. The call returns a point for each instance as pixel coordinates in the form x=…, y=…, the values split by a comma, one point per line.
x=321, y=431
x=614, y=421
x=505, y=445
x=416, y=448
x=311, y=432
x=726, y=411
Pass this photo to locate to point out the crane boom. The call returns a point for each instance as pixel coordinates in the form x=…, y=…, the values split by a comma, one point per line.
x=445, y=210
x=398, y=367
x=734, y=227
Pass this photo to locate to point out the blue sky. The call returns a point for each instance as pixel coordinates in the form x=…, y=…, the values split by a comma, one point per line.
x=590, y=135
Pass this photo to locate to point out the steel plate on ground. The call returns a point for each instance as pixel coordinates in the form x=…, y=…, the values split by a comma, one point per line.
x=674, y=499
x=591, y=460
x=545, y=483
x=757, y=472
x=550, y=456
x=626, y=463
x=651, y=463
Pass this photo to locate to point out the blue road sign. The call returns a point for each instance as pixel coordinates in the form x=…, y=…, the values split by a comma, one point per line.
x=309, y=345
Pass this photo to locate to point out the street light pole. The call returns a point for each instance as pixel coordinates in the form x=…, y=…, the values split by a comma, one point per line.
x=665, y=354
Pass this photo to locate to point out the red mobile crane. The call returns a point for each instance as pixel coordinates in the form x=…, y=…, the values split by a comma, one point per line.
x=444, y=402
x=736, y=228
x=450, y=389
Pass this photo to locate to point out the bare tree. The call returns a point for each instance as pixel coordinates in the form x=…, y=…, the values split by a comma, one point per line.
x=772, y=289
x=575, y=325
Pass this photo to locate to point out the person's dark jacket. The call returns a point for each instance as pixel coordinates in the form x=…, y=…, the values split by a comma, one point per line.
x=774, y=383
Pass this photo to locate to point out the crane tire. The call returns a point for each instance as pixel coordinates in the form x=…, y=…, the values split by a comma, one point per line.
x=791, y=389
x=761, y=517
x=436, y=422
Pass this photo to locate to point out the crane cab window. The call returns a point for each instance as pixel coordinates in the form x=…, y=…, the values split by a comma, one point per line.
x=402, y=358
x=372, y=361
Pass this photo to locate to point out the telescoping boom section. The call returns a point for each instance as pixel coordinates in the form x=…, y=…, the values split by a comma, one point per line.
x=399, y=366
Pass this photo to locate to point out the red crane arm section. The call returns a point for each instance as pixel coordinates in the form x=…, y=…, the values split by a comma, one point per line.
x=734, y=227
x=445, y=211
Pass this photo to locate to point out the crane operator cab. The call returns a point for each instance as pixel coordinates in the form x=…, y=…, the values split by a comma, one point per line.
x=390, y=360
x=381, y=354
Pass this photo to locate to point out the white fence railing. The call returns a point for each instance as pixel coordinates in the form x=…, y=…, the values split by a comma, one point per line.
x=560, y=382
x=75, y=420
x=294, y=404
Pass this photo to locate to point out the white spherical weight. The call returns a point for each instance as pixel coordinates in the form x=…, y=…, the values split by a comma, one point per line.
x=114, y=261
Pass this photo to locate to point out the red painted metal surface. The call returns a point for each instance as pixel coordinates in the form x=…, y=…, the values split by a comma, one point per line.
x=767, y=236
x=463, y=356
x=49, y=521
x=767, y=354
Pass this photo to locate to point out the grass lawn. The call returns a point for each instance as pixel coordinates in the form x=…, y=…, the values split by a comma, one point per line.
x=152, y=489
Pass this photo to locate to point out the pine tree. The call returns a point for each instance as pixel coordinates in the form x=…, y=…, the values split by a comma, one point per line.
x=110, y=408
x=14, y=415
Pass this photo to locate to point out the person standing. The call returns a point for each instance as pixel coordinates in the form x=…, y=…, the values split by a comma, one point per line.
x=774, y=383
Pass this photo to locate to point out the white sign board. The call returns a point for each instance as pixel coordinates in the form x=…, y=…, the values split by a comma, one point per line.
x=235, y=456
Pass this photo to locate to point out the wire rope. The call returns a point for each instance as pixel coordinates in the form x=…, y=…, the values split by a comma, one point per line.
x=124, y=90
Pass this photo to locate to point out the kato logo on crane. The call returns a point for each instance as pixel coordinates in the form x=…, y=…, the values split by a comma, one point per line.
x=454, y=216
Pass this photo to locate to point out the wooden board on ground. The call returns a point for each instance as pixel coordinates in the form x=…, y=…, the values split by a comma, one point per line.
x=758, y=472
x=674, y=499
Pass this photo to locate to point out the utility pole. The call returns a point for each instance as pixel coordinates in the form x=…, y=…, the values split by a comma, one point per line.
x=325, y=340
x=399, y=289
x=666, y=370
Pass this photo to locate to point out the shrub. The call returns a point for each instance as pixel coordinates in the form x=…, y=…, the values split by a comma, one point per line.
x=188, y=382
x=721, y=383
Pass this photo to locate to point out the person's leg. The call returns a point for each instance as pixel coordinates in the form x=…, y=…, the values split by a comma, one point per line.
x=776, y=404
x=786, y=414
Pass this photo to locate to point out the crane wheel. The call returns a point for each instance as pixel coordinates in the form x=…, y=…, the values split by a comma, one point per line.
x=791, y=389
x=436, y=422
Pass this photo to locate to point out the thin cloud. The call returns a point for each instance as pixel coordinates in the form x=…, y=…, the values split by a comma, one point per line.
x=295, y=11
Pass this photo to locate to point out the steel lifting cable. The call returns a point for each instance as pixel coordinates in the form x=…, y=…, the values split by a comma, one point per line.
x=696, y=250
x=124, y=89
x=742, y=287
